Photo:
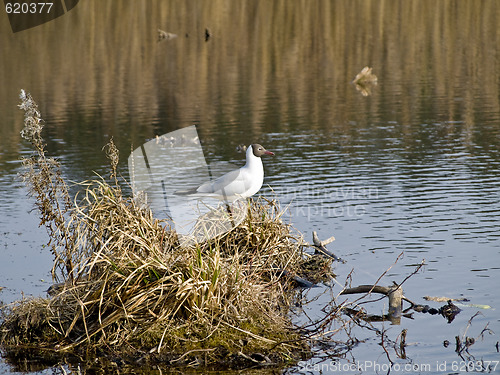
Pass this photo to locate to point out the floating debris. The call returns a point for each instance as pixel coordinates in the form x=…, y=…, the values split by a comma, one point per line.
x=365, y=81
x=449, y=311
x=163, y=35
x=241, y=148
x=445, y=299
x=208, y=34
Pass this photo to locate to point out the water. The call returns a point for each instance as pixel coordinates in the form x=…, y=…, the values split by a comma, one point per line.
x=413, y=168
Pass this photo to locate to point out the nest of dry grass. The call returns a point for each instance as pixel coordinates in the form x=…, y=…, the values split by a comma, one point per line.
x=129, y=289
x=139, y=294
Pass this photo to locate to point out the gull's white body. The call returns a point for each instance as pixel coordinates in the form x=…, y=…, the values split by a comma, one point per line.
x=240, y=183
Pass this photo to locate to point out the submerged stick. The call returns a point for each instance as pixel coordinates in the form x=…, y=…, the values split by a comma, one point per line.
x=320, y=247
x=394, y=293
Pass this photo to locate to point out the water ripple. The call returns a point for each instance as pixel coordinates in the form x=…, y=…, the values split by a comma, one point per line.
x=453, y=195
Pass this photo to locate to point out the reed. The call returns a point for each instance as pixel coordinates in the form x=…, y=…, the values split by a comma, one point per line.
x=128, y=288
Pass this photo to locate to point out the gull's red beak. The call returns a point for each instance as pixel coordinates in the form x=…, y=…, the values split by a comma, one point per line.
x=269, y=153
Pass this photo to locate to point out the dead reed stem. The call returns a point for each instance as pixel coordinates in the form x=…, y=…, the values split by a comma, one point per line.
x=126, y=280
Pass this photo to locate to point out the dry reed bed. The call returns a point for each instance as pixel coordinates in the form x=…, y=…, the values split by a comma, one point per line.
x=129, y=290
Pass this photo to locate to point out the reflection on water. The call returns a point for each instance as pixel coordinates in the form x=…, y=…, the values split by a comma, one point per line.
x=452, y=191
x=413, y=167
x=268, y=67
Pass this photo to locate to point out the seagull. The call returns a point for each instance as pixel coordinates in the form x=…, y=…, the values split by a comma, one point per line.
x=240, y=183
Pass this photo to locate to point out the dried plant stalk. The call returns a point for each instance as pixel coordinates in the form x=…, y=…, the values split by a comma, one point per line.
x=43, y=177
x=128, y=287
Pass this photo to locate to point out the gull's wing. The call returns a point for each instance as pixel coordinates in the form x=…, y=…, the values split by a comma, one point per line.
x=233, y=183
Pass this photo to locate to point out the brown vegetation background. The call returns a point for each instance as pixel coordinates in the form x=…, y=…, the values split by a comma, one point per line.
x=266, y=63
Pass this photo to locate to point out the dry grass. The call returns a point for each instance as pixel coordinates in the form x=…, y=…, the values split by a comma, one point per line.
x=128, y=287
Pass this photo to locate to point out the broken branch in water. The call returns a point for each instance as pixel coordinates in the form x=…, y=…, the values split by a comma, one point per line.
x=395, y=294
x=319, y=246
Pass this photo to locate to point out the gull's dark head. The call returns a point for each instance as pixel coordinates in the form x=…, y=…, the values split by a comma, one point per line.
x=259, y=150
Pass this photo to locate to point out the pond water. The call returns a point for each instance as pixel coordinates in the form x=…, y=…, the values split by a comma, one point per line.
x=411, y=168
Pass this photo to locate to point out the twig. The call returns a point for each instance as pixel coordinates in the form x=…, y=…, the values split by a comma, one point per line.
x=382, y=335
x=320, y=247
x=380, y=277
x=469, y=323
x=422, y=263
x=192, y=351
x=402, y=344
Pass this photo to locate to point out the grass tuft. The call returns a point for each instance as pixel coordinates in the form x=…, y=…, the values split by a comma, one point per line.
x=127, y=288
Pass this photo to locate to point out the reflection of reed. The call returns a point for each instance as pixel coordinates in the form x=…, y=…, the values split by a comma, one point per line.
x=278, y=58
